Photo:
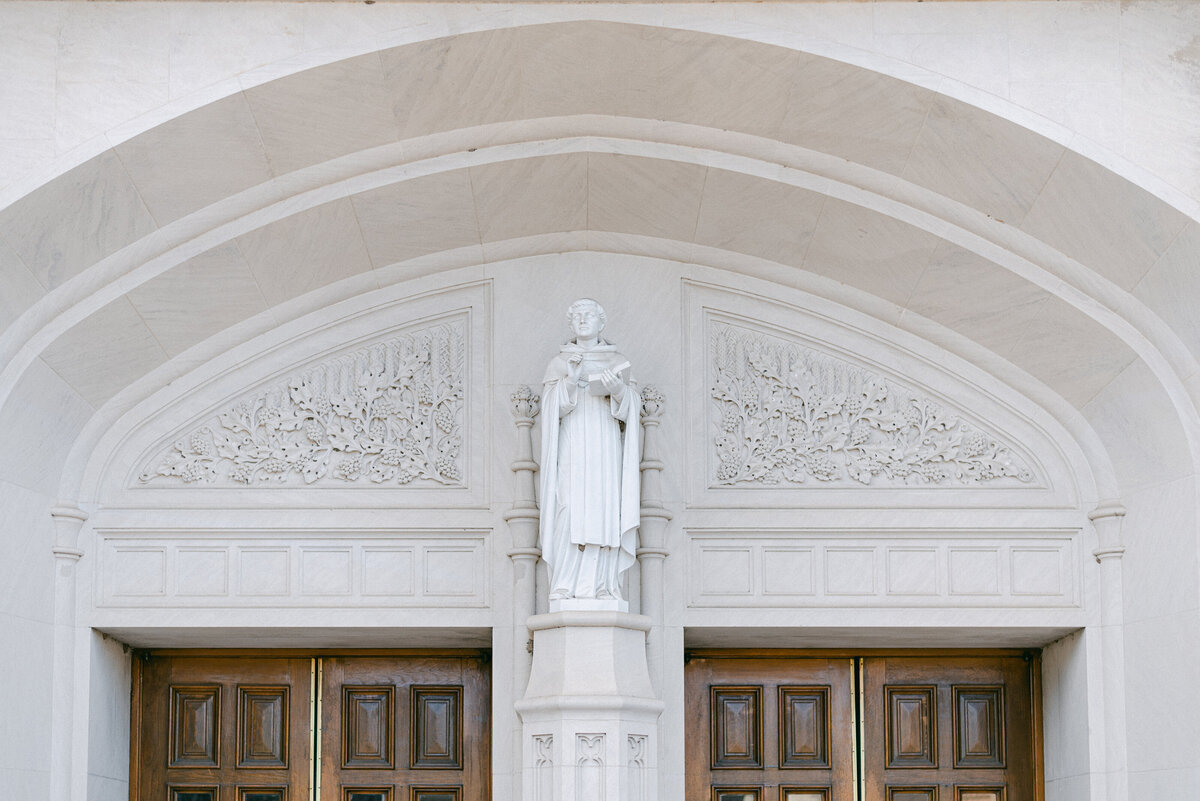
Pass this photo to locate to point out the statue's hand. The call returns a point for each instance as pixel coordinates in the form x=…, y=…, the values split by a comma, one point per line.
x=612, y=382
x=574, y=368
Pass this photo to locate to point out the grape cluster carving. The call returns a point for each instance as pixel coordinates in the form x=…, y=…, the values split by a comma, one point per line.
x=392, y=412
x=785, y=414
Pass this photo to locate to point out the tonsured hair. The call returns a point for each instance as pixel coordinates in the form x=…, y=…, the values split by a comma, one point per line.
x=587, y=302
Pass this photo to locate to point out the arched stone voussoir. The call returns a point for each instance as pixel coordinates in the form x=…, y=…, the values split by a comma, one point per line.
x=559, y=69
x=488, y=209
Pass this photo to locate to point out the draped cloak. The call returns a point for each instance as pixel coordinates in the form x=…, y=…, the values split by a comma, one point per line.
x=590, y=475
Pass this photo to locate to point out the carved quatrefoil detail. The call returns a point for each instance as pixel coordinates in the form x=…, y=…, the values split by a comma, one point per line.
x=785, y=414
x=392, y=412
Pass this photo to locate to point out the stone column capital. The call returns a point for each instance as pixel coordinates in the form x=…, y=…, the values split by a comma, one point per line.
x=68, y=520
x=1107, y=518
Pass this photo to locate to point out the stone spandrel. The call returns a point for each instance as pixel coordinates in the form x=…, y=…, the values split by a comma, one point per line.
x=392, y=413
x=785, y=415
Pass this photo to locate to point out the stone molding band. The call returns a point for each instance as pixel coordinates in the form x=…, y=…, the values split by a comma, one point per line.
x=589, y=619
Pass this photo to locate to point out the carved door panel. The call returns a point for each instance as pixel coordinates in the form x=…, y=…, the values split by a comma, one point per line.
x=954, y=728
x=793, y=727
x=412, y=729
x=222, y=729
x=395, y=727
x=767, y=729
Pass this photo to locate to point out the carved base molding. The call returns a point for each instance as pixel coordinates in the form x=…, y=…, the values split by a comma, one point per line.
x=589, y=716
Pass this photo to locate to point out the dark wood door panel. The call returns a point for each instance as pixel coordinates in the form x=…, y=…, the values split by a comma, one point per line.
x=949, y=728
x=239, y=727
x=405, y=729
x=784, y=727
x=769, y=729
x=222, y=728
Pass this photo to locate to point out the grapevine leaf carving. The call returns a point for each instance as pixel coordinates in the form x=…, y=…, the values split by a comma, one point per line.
x=390, y=413
x=786, y=415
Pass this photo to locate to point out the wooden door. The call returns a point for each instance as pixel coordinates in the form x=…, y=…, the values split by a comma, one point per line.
x=243, y=727
x=787, y=726
x=414, y=729
x=951, y=728
x=768, y=729
x=222, y=729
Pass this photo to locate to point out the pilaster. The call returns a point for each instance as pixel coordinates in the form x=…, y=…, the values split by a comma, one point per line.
x=68, y=521
x=1107, y=518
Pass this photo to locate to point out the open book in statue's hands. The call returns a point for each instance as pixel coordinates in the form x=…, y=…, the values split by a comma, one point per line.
x=596, y=386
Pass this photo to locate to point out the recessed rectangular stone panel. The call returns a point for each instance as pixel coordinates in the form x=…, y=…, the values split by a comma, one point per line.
x=368, y=726
x=195, y=726
x=725, y=571
x=436, y=733
x=974, y=571
x=804, y=727
x=451, y=570
x=787, y=571
x=1037, y=571
x=138, y=571
x=264, y=571
x=978, y=727
x=387, y=571
x=262, y=735
x=924, y=793
x=324, y=571
x=202, y=572
x=736, y=714
x=912, y=571
x=849, y=571
x=951, y=569
x=911, y=727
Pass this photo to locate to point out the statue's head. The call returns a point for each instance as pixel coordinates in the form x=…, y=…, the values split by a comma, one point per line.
x=586, y=318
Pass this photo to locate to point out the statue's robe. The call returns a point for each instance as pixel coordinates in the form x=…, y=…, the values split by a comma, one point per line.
x=590, y=479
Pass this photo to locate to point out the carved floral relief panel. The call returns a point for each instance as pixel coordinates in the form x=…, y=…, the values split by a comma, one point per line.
x=392, y=413
x=784, y=414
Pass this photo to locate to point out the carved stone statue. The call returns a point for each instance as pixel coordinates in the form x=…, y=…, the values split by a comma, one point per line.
x=589, y=468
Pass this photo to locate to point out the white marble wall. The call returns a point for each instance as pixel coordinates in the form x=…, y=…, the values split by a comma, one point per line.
x=1162, y=640
x=1119, y=88
x=1068, y=702
x=26, y=641
x=107, y=710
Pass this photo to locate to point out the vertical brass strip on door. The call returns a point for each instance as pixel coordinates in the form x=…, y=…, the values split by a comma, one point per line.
x=313, y=764
x=860, y=684
x=319, y=695
x=855, y=727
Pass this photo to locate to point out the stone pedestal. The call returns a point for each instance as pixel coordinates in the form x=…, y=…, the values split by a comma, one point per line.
x=589, y=716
